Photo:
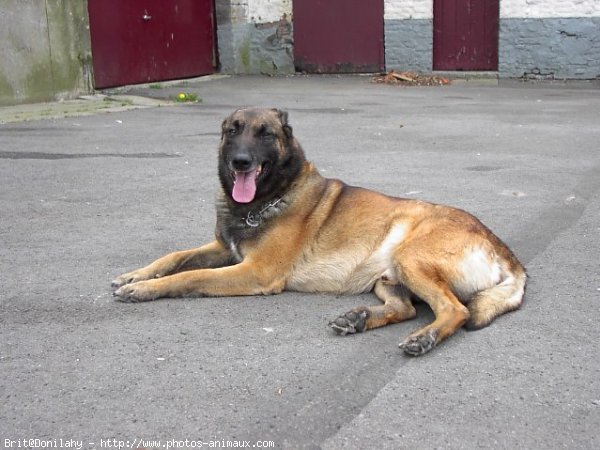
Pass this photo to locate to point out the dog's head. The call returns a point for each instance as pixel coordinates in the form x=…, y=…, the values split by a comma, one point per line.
x=259, y=156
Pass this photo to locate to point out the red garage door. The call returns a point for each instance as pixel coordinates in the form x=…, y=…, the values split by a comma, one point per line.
x=338, y=36
x=137, y=41
x=465, y=34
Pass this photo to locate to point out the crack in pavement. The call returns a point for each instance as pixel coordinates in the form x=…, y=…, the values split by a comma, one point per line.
x=53, y=156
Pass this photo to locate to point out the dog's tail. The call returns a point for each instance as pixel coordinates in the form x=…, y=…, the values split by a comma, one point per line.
x=490, y=303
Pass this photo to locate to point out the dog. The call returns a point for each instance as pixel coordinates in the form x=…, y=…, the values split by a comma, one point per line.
x=282, y=226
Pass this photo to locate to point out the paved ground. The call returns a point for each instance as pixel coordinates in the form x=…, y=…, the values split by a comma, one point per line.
x=83, y=199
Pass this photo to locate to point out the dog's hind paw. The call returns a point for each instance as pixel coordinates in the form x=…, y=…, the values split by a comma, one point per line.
x=350, y=323
x=419, y=344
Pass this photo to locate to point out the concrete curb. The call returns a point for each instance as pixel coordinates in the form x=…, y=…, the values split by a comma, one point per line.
x=104, y=101
x=83, y=106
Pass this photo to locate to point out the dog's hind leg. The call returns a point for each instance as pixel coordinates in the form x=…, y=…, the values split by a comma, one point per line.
x=450, y=313
x=397, y=307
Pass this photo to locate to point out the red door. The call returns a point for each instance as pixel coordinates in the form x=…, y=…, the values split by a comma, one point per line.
x=338, y=36
x=465, y=34
x=137, y=41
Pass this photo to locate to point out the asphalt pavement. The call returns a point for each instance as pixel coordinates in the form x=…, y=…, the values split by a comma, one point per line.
x=84, y=198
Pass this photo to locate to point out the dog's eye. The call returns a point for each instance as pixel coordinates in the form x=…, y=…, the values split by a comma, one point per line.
x=232, y=131
x=267, y=135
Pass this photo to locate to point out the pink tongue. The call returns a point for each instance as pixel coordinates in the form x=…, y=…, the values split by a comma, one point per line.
x=244, y=186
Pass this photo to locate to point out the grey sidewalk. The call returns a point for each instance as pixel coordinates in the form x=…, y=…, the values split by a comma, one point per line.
x=84, y=198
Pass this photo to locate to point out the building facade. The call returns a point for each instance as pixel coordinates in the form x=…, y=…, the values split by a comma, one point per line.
x=541, y=38
x=544, y=39
x=46, y=51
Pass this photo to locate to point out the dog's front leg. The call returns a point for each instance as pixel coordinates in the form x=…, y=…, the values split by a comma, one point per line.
x=242, y=279
x=213, y=254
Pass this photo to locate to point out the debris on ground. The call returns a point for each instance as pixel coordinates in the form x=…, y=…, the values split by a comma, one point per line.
x=410, y=79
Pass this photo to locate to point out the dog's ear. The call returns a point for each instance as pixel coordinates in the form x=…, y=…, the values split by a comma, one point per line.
x=283, y=118
x=224, y=127
x=228, y=120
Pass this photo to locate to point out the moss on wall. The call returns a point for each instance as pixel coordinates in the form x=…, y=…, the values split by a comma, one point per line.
x=245, y=55
x=69, y=44
x=37, y=83
x=6, y=91
x=46, y=53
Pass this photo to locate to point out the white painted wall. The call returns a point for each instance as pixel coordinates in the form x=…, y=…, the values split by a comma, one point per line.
x=407, y=9
x=266, y=11
x=549, y=8
x=423, y=9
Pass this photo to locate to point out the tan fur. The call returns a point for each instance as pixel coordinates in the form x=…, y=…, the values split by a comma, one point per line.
x=334, y=238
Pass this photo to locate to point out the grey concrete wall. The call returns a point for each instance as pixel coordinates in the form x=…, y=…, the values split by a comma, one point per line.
x=252, y=48
x=45, y=50
x=255, y=49
x=409, y=44
x=551, y=48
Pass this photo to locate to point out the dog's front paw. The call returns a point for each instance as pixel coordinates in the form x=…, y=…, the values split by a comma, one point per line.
x=420, y=343
x=131, y=277
x=141, y=291
x=350, y=323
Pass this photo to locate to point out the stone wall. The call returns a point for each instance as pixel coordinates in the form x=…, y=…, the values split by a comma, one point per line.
x=549, y=39
x=45, y=51
x=408, y=28
x=255, y=36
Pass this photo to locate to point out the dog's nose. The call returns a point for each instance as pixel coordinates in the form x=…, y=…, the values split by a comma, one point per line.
x=241, y=162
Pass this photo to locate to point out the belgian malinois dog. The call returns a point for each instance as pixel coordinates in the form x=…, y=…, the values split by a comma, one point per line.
x=282, y=226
